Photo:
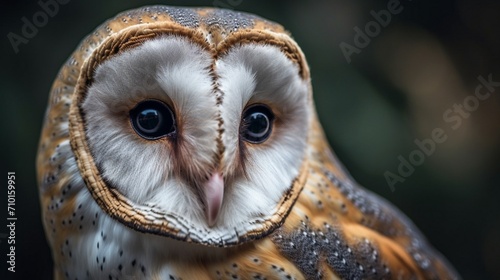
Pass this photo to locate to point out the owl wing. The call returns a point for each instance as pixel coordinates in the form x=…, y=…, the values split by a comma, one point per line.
x=339, y=229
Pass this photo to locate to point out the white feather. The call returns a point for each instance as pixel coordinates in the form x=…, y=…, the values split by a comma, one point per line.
x=179, y=72
x=261, y=74
x=170, y=69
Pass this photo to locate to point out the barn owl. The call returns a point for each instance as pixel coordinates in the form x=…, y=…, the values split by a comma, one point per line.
x=183, y=143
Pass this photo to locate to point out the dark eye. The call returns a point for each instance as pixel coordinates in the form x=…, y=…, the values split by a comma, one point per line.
x=152, y=119
x=257, y=123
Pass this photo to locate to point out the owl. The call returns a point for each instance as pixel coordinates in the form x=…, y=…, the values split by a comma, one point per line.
x=183, y=143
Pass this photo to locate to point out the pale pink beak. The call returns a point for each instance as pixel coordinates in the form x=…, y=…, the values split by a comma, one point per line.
x=213, y=190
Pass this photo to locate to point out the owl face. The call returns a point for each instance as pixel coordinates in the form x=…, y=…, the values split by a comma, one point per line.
x=196, y=141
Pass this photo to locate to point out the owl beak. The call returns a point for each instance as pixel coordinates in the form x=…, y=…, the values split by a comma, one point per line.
x=213, y=190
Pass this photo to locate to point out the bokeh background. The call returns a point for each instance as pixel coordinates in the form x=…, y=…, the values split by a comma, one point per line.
x=394, y=91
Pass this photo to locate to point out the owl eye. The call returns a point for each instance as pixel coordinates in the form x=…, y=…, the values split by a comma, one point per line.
x=152, y=119
x=257, y=123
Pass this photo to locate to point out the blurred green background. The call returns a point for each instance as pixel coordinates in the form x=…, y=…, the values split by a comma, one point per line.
x=395, y=90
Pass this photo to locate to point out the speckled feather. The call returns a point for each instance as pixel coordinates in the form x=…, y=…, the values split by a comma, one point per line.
x=330, y=228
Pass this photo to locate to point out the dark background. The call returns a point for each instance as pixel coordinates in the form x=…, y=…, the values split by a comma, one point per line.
x=394, y=91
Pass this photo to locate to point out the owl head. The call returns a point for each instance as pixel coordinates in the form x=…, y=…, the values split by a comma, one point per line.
x=192, y=123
